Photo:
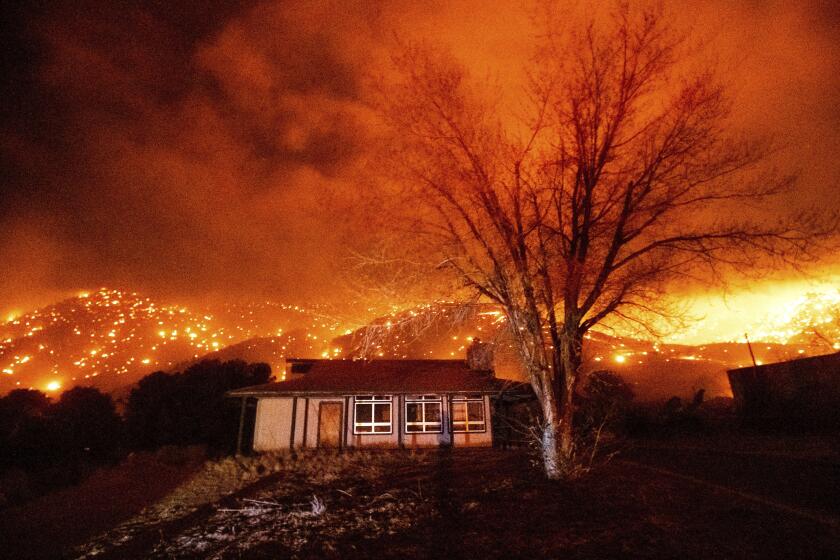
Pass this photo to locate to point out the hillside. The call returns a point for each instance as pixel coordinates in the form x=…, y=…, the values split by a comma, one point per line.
x=111, y=338
x=657, y=370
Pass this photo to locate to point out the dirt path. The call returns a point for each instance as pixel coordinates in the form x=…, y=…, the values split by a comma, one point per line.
x=52, y=524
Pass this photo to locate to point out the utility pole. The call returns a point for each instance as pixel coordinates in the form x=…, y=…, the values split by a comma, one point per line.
x=749, y=347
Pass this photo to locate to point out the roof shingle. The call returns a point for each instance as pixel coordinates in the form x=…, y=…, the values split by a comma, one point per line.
x=382, y=376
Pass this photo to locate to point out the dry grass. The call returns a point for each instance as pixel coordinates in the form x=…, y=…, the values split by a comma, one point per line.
x=222, y=477
x=482, y=503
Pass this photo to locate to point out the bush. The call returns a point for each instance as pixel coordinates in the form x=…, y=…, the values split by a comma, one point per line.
x=46, y=445
x=604, y=403
x=190, y=407
x=23, y=429
x=85, y=423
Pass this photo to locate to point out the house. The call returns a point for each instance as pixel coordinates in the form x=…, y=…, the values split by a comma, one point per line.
x=384, y=403
x=804, y=391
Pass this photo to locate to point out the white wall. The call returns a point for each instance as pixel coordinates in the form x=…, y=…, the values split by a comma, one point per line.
x=274, y=422
x=272, y=428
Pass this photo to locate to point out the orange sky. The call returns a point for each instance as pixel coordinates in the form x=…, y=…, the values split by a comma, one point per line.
x=197, y=154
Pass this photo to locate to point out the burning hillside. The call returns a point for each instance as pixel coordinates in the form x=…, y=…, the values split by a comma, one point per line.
x=111, y=338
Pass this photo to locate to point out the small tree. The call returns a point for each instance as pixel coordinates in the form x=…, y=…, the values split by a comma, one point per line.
x=23, y=427
x=85, y=424
x=190, y=407
x=622, y=180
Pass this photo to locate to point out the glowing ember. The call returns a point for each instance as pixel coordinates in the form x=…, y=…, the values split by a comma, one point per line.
x=107, y=333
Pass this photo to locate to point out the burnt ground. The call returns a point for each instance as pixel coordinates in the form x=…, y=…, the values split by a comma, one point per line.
x=652, y=500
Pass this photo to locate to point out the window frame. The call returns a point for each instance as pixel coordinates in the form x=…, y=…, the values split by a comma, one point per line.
x=465, y=400
x=423, y=400
x=372, y=401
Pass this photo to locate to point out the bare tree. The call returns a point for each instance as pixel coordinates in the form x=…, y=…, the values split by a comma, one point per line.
x=622, y=179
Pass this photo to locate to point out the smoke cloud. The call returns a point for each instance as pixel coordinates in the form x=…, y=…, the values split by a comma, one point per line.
x=193, y=153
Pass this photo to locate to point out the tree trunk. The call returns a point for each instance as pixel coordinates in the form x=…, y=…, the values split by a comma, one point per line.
x=551, y=435
x=566, y=428
x=570, y=359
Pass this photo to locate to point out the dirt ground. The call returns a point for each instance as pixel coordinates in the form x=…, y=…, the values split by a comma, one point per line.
x=48, y=526
x=652, y=500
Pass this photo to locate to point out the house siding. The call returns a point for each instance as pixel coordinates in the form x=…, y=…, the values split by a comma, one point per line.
x=273, y=428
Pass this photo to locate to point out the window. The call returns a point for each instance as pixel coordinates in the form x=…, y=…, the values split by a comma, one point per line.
x=373, y=415
x=423, y=414
x=468, y=414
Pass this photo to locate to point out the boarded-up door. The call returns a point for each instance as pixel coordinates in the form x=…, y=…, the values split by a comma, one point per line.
x=329, y=424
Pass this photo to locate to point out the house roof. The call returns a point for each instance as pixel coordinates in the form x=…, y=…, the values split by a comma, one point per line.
x=383, y=376
x=824, y=360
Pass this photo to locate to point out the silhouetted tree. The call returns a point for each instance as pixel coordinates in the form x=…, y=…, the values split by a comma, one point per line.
x=23, y=427
x=190, y=407
x=85, y=424
x=616, y=176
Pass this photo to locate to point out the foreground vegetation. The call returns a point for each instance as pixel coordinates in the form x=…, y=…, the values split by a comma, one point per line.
x=657, y=500
x=46, y=444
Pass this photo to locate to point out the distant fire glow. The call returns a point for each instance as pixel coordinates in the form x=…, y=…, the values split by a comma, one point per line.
x=774, y=312
x=114, y=332
x=110, y=338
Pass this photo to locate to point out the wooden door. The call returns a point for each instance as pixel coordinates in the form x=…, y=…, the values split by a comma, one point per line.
x=329, y=424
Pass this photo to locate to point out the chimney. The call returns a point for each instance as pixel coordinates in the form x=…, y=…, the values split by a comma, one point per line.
x=480, y=356
x=297, y=368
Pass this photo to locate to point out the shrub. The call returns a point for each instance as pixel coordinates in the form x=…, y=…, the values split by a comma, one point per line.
x=604, y=403
x=190, y=407
x=85, y=423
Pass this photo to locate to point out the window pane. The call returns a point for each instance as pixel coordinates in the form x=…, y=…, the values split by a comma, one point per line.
x=412, y=412
x=432, y=412
x=459, y=412
x=382, y=429
x=364, y=429
x=413, y=428
x=382, y=412
x=363, y=412
x=476, y=411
